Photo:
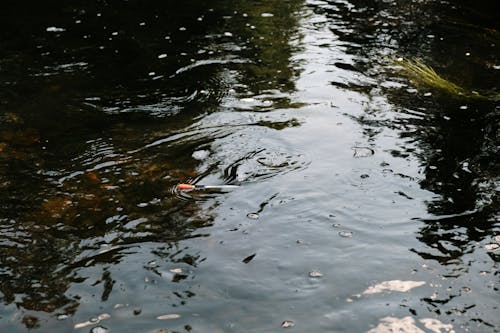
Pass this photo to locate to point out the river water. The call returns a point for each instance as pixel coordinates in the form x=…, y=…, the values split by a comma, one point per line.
x=365, y=202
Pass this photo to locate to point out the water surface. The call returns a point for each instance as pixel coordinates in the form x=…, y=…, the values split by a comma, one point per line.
x=365, y=201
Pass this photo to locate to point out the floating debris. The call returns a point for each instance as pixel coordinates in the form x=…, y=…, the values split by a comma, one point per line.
x=423, y=75
x=315, y=274
x=363, y=152
x=188, y=187
x=137, y=311
x=249, y=258
x=393, y=285
x=169, y=316
x=287, y=324
x=253, y=216
x=346, y=234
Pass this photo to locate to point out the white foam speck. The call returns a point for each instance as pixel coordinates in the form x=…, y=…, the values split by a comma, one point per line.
x=55, y=29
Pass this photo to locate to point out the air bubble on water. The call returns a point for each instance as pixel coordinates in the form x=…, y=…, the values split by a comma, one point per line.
x=346, y=234
x=161, y=56
x=253, y=216
x=464, y=107
x=142, y=24
x=182, y=29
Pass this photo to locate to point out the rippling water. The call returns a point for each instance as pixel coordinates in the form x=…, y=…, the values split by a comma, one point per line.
x=366, y=201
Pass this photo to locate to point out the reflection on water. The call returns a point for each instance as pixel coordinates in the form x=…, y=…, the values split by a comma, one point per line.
x=351, y=176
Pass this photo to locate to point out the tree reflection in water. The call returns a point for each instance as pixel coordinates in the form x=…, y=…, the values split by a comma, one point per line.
x=100, y=105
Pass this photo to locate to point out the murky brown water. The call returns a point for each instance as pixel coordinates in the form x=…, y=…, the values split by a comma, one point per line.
x=365, y=202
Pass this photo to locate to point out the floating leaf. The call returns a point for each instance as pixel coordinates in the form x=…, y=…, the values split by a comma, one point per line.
x=249, y=258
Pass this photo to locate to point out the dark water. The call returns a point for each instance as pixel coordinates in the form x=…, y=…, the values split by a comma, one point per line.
x=366, y=203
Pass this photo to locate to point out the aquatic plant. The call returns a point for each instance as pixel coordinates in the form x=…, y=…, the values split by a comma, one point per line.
x=423, y=75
